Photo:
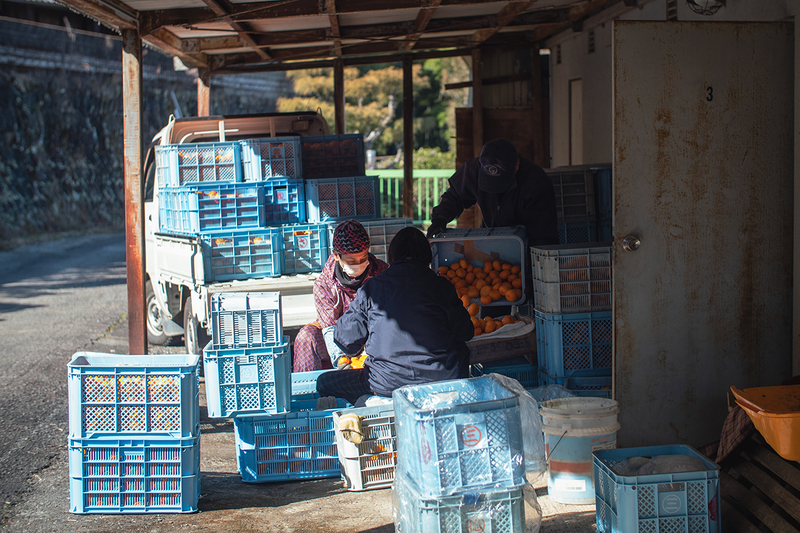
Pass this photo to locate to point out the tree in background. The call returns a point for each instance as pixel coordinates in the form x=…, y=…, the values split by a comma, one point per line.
x=373, y=107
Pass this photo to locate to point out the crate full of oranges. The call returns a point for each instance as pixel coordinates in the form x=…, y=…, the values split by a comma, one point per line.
x=493, y=281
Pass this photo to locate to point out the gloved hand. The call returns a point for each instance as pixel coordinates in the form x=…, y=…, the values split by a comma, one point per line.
x=436, y=227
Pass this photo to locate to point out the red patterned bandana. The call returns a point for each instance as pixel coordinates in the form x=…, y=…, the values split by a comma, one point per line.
x=350, y=237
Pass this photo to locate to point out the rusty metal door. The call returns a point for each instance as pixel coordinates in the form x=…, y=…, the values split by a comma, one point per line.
x=703, y=165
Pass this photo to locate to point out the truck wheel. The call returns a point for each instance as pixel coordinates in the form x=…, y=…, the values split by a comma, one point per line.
x=195, y=338
x=155, y=329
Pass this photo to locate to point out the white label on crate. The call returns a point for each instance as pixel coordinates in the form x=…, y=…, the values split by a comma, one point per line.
x=477, y=523
x=303, y=242
x=282, y=196
x=606, y=442
x=671, y=504
x=570, y=485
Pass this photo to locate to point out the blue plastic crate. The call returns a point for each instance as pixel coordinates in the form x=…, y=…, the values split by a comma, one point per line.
x=603, y=191
x=371, y=463
x=494, y=510
x=517, y=368
x=304, y=384
x=577, y=232
x=685, y=501
x=575, y=194
x=130, y=475
x=342, y=198
x=123, y=395
x=304, y=248
x=478, y=245
x=246, y=319
x=277, y=157
x=594, y=383
x=248, y=381
x=300, y=444
x=572, y=278
x=285, y=202
x=331, y=156
x=241, y=254
x=193, y=209
x=605, y=231
x=460, y=435
x=580, y=341
x=182, y=164
x=381, y=232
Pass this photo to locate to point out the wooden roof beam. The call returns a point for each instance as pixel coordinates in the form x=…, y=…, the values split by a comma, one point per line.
x=108, y=12
x=333, y=18
x=503, y=18
x=423, y=18
x=241, y=28
x=168, y=42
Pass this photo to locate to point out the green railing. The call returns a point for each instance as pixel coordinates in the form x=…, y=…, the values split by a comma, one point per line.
x=429, y=185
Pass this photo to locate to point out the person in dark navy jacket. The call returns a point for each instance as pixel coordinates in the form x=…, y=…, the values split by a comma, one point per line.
x=409, y=320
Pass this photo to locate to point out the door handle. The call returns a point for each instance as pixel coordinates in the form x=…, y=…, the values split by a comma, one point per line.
x=631, y=243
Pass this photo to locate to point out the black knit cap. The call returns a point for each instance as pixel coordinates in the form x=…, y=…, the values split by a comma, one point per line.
x=498, y=162
x=410, y=244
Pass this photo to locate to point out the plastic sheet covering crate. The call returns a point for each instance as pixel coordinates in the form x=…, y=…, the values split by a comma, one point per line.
x=285, y=202
x=518, y=368
x=330, y=156
x=570, y=278
x=460, y=435
x=592, y=383
x=478, y=245
x=577, y=232
x=181, y=164
x=241, y=254
x=381, y=231
x=131, y=475
x=575, y=196
x=246, y=319
x=300, y=444
x=370, y=464
x=122, y=395
x=248, y=381
x=495, y=510
x=342, y=198
x=687, y=501
x=304, y=248
x=278, y=157
x=580, y=341
x=192, y=209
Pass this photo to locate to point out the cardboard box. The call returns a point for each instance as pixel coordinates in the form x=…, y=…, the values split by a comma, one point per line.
x=499, y=346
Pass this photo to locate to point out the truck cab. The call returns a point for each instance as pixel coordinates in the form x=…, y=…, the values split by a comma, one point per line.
x=178, y=297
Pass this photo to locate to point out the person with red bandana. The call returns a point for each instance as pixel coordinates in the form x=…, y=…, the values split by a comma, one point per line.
x=348, y=267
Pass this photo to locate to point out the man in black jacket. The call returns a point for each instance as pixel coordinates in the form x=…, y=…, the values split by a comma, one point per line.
x=509, y=190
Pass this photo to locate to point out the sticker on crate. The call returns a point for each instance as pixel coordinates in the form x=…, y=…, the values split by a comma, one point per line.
x=487, y=265
x=264, y=159
x=246, y=319
x=285, y=202
x=342, y=198
x=241, y=254
x=114, y=395
x=130, y=475
x=305, y=248
x=300, y=444
x=660, y=498
x=461, y=435
x=369, y=464
x=181, y=164
x=248, y=381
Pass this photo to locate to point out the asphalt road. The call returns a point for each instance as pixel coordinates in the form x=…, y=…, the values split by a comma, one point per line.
x=67, y=296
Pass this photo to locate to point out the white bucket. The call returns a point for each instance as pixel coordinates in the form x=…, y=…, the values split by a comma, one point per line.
x=573, y=429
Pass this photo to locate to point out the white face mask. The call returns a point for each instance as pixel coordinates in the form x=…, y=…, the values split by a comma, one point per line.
x=353, y=271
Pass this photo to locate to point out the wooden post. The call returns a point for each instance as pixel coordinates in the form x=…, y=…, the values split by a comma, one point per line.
x=134, y=205
x=408, y=137
x=477, y=103
x=338, y=95
x=540, y=157
x=204, y=92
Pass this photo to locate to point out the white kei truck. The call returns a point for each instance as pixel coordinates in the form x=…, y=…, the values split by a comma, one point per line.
x=178, y=297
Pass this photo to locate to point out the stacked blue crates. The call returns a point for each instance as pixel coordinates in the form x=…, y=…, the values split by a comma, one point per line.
x=583, y=200
x=461, y=461
x=572, y=307
x=134, y=433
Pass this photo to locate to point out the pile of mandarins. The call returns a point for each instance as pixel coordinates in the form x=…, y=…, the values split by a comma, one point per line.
x=478, y=286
